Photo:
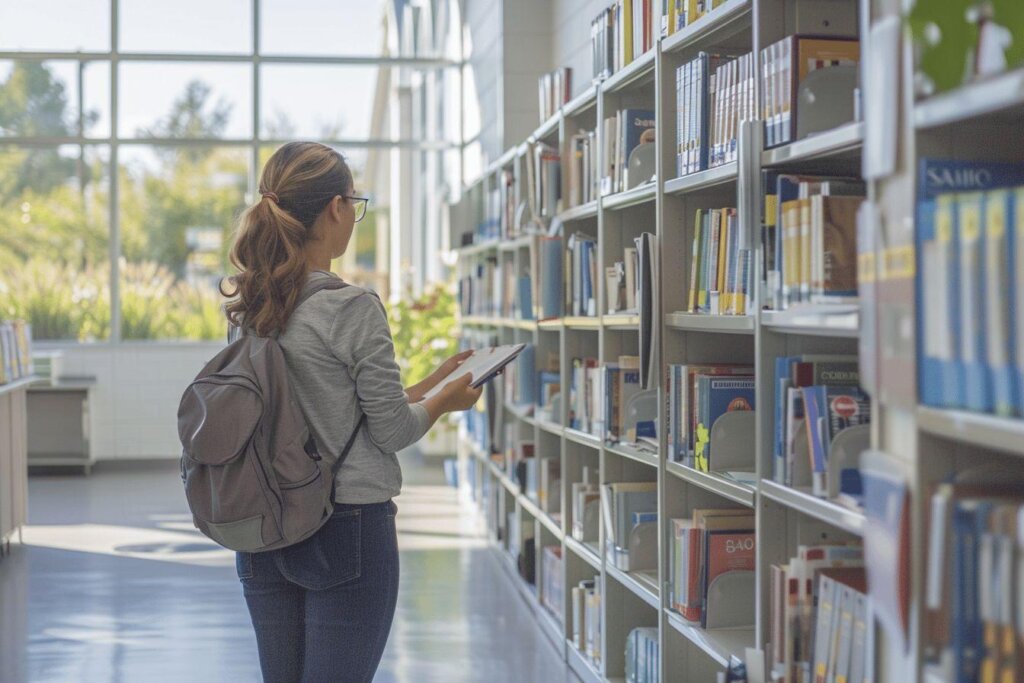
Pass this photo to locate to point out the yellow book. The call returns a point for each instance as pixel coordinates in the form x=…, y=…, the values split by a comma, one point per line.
x=691, y=11
x=695, y=260
x=723, y=251
x=804, y=273
x=627, y=32
x=790, y=234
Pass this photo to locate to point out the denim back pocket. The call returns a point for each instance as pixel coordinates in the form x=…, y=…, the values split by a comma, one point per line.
x=328, y=558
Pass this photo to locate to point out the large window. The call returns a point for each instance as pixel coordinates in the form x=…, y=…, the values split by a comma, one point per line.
x=133, y=132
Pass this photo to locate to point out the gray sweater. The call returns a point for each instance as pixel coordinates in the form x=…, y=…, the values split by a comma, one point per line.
x=342, y=362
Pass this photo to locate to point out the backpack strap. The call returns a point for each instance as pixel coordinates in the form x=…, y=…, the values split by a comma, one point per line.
x=309, y=289
x=313, y=286
x=351, y=440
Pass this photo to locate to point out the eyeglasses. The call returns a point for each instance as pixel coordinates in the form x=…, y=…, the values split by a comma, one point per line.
x=359, y=204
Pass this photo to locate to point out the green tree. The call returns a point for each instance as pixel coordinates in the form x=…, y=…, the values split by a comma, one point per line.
x=33, y=103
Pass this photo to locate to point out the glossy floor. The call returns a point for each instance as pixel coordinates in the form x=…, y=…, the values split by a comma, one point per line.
x=113, y=583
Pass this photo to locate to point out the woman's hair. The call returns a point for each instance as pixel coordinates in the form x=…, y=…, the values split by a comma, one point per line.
x=298, y=182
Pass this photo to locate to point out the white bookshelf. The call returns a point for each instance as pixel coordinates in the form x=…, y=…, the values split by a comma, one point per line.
x=976, y=121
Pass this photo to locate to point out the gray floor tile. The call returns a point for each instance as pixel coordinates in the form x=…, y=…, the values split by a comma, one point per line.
x=114, y=584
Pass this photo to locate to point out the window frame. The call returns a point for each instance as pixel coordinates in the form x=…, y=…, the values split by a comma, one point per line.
x=115, y=140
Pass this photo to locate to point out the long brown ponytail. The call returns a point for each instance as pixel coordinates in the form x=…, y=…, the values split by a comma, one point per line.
x=298, y=182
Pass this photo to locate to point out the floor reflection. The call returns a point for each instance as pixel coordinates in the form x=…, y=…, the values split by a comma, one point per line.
x=114, y=584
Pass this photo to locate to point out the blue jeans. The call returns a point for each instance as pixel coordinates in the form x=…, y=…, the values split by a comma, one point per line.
x=322, y=608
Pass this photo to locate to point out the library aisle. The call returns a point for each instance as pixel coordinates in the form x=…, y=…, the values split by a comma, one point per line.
x=97, y=592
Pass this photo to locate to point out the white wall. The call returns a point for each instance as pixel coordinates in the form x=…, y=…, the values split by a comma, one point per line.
x=134, y=406
x=571, y=38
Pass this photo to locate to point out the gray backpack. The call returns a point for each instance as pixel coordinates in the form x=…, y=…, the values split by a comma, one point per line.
x=253, y=477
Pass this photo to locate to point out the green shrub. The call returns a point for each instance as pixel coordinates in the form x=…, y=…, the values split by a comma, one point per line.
x=65, y=303
x=424, y=331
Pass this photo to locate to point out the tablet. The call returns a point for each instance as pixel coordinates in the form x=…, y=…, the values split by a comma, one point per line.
x=482, y=365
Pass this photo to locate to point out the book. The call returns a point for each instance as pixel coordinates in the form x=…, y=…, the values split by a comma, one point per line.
x=940, y=293
x=830, y=409
x=482, y=365
x=788, y=62
x=714, y=397
x=725, y=551
x=619, y=502
x=554, y=89
x=621, y=383
x=682, y=395
x=631, y=127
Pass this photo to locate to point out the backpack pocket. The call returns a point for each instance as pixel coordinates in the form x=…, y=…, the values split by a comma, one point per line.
x=233, y=504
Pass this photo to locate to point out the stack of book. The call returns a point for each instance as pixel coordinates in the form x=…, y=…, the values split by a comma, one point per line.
x=974, y=614
x=15, y=350
x=679, y=14
x=714, y=94
x=694, y=83
x=545, y=172
x=554, y=89
x=642, y=655
x=586, y=618
x=625, y=506
x=820, y=623
x=581, y=275
x=621, y=383
x=585, y=499
x=720, y=272
x=521, y=380
x=586, y=397
x=970, y=283
x=621, y=134
x=785, y=65
x=582, y=179
x=479, y=291
x=708, y=545
x=699, y=395
x=816, y=397
x=622, y=284
x=810, y=238
x=623, y=32
x=552, y=588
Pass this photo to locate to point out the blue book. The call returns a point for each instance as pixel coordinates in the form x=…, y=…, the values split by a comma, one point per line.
x=551, y=262
x=525, y=294
x=1017, y=298
x=815, y=411
x=636, y=121
x=968, y=520
x=644, y=517
x=526, y=374
x=783, y=365
x=717, y=396
x=941, y=378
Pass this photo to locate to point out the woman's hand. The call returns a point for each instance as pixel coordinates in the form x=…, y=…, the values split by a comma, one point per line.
x=452, y=364
x=459, y=395
x=455, y=396
x=418, y=391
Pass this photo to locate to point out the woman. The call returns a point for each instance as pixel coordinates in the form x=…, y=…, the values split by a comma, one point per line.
x=322, y=608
